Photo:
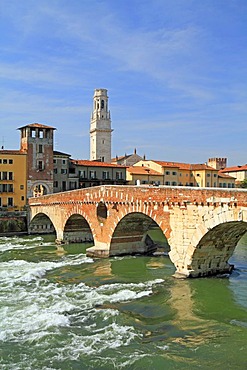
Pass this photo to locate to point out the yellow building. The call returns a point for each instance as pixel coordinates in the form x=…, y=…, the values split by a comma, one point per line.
x=183, y=174
x=139, y=175
x=238, y=172
x=204, y=176
x=13, y=183
x=226, y=181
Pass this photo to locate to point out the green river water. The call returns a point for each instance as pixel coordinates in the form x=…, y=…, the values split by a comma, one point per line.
x=62, y=310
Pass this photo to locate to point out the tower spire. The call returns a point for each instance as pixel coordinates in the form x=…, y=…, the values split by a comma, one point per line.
x=100, y=128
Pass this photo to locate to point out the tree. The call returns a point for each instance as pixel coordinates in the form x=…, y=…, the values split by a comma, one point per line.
x=243, y=184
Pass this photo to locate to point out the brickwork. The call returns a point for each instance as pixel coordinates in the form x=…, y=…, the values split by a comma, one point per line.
x=202, y=225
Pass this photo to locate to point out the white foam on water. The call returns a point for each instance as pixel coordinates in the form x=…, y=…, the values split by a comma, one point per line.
x=34, y=310
x=111, y=336
x=20, y=270
x=14, y=243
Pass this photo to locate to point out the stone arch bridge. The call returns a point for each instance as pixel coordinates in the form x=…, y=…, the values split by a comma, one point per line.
x=201, y=225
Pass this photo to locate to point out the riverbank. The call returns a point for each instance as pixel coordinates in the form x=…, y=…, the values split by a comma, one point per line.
x=13, y=223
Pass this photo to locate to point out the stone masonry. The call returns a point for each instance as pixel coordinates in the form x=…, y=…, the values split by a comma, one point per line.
x=202, y=225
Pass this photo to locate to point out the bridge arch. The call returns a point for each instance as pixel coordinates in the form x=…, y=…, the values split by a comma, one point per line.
x=215, y=248
x=77, y=229
x=41, y=223
x=132, y=235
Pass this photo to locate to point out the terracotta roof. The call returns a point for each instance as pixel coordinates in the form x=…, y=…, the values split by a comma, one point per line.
x=37, y=125
x=199, y=166
x=168, y=164
x=12, y=152
x=141, y=170
x=185, y=166
x=84, y=162
x=235, y=169
x=225, y=176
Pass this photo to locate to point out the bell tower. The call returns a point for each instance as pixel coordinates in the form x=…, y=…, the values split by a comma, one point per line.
x=37, y=142
x=100, y=128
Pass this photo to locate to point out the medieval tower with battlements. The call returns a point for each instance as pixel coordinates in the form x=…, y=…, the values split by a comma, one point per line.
x=100, y=128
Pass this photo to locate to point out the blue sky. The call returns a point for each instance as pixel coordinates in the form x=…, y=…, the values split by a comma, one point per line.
x=175, y=70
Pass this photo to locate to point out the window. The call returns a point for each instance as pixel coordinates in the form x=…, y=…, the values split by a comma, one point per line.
x=40, y=148
x=208, y=174
x=41, y=134
x=119, y=175
x=10, y=188
x=174, y=183
x=92, y=174
x=0, y=202
x=63, y=171
x=0, y=161
x=33, y=133
x=208, y=184
x=167, y=183
x=64, y=161
x=22, y=197
x=10, y=202
x=40, y=165
x=54, y=161
x=198, y=175
x=167, y=172
x=4, y=187
x=4, y=176
x=82, y=174
x=21, y=187
x=105, y=175
x=5, y=161
x=215, y=174
x=10, y=161
x=174, y=173
x=10, y=175
x=72, y=185
x=55, y=184
x=55, y=170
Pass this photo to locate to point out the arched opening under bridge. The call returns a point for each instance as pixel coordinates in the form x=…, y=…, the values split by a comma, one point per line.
x=216, y=247
x=41, y=224
x=137, y=233
x=77, y=230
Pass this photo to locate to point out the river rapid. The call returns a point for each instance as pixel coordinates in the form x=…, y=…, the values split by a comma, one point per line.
x=62, y=310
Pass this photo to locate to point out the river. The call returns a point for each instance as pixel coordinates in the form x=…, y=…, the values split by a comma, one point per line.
x=62, y=310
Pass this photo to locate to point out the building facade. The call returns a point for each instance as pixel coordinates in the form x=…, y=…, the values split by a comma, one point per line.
x=93, y=173
x=100, y=128
x=186, y=174
x=13, y=180
x=64, y=177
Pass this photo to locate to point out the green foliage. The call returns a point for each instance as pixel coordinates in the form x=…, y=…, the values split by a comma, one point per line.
x=243, y=184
